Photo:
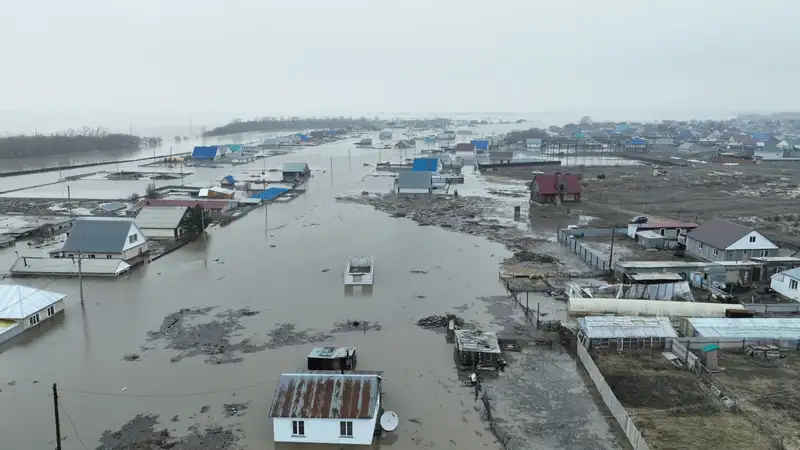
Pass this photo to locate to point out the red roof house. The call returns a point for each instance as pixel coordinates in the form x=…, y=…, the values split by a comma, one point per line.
x=556, y=188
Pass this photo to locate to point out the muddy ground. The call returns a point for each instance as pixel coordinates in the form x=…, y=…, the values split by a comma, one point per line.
x=535, y=250
x=771, y=387
x=670, y=409
x=762, y=196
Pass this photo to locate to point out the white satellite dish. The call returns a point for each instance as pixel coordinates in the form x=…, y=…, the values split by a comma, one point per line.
x=389, y=421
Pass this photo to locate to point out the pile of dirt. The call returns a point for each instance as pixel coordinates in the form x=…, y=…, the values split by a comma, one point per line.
x=140, y=434
x=528, y=256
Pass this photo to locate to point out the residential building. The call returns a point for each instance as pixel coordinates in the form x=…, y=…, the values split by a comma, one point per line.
x=163, y=222
x=387, y=134
x=636, y=144
x=206, y=153
x=787, y=284
x=481, y=144
x=666, y=228
x=296, y=172
x=741, y=140
x=228, y=182
x=23, y=308
x=95, y=237
x=556, y=188
x=687, y=147
x=722, y=240
x=426, y=165
x=533, y=144
x=326, y=407
x=664, y=142
x=221, y=193
x=466, y=147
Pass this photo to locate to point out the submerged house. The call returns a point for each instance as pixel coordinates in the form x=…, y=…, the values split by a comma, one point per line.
x=476, y=349
x=414, y=182
x=228, y=182
x=556, y=188
x=787, y=284
x=326, y=407
x=163, y=222
x=23, y=308
x=296, y=172
x=206, y=153
x=103, y=238
x=722, y=240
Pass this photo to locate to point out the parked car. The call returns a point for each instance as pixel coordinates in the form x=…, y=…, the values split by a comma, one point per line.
x=639, y=219
x=572, y=227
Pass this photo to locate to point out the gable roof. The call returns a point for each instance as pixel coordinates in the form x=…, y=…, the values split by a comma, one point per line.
x=326, y=395
x=465, y=147
x=719, y=233
x=425, y=165
x=792, y=273
x=161, y=217
x=93, y=235
x=18, y=302
x=548, y=183
x=207, y=152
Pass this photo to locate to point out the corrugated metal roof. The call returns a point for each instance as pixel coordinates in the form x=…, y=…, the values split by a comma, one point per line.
x=766, y=328
x=655, y=308
x=664, y=276
x=208, y=152
x=326, y=395
x=18, y=302
x=612, y=327
x=425, y=165
x=97, y=235
x=161, y=217
x=270, y=193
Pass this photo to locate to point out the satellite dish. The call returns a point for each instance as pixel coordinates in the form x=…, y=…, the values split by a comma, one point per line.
x=389, y=421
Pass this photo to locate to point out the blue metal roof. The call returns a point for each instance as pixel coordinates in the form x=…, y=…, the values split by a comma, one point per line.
x=270, y=193
x=480, y=144
x=304, y=137
x=208, y=152
x=637, y=141
x=425, y=165
x=229, y=179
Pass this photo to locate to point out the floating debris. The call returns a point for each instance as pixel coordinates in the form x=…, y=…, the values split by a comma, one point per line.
x=438, y=321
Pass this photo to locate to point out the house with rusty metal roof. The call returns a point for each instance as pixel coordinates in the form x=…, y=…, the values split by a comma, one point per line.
x=723, y=240
x=326, y=407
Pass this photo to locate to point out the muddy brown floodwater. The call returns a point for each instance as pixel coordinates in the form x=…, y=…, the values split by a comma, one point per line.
x=213, y=325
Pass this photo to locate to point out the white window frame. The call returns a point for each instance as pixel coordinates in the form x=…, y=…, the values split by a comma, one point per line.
x=792, y=284
x=752, y=239
x=346, y=428
x=132, y=238
x=715, y=252
x=51, y=310
x=298, y=428
x=699, y=245
x=764, y=253
x=34, y=319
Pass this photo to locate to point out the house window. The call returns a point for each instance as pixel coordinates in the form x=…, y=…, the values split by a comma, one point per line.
x=662, y=231
x=752, y=239
x=298, y=428
x=34, y=319
x=700, y=245
x=714, y=252
x=133, y=238
x=108, y=256
x=92, y=256
x=793, y=284
x=764, y=253
x=346, y=429
x=51, y=310
x=678, y=231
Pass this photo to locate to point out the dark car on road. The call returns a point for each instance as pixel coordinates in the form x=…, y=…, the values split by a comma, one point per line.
x=639, y=219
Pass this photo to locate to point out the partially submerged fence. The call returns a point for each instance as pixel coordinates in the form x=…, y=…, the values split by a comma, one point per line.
x=617, y=410
x=765, y=308
x=594, y=258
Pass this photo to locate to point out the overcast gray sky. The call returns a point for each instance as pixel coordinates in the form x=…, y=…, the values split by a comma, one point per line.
x=241, y=58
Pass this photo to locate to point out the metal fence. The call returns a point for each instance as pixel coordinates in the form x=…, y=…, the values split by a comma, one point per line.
x=772, y=307
x=617, y=410
x=595, y=259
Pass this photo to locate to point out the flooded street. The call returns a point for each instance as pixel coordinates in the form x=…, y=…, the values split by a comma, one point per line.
x=216, y=322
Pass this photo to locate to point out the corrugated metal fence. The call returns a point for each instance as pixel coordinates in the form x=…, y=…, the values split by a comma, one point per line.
x=595, y=259
x=617, y=410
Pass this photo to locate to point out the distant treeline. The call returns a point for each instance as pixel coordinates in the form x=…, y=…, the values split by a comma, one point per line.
x=70, y=142
x=239, y=126
x=438, y=122
x=519, y=136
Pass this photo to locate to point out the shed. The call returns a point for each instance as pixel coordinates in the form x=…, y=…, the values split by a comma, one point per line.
x=228, y=182
x=476, y=349
x=709, y=356
x=296, y=172
x=625, y=332
x=326, y=407
x=332, y=358
x=650, y=239
x=162, y=222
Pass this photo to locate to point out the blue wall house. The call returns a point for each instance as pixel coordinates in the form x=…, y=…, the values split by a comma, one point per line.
x=426, y=165
x=480, y=144
x=208, y=153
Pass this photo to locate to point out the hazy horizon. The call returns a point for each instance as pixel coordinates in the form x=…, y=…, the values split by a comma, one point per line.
x=153, y=63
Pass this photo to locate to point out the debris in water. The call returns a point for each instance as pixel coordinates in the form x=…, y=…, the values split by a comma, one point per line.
x=131, y=357
x=235, y=409
x=286, y=334
x=438, y=322
x=204, y=409
x=140, y=434
x=527, y=256
x=356, y=325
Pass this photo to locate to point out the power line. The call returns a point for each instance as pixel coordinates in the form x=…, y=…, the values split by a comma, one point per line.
x=78, y=435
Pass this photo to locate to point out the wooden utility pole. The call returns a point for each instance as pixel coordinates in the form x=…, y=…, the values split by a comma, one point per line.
x=69, y=200
x=203, y=230
x=80, y=274
x=58, y=419
x=611, y=253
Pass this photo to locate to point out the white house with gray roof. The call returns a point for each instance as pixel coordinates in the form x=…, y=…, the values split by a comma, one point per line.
x=162, y=222
x=787, y=283
x=722, y=240
x=23, y=307
x=96, y=237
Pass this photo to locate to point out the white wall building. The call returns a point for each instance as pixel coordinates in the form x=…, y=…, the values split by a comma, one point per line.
x=162, y=222
x=23, y=308
x=787, y=283
x=106, y=238
x=325, y=407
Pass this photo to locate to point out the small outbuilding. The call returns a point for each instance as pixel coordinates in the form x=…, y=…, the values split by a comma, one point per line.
x=332, y=358
x=625, y=332
x=228, y=182
x=163, y=222
x=296, y=172
x=476, y=349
